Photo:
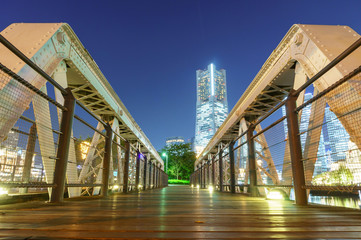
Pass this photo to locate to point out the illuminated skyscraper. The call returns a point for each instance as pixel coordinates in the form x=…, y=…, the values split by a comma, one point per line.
x=212, y=106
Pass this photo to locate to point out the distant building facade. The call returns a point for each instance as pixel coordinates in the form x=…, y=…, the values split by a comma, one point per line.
x=337, y=136
x=212, y=105
x=321, y=162
x=174, y=140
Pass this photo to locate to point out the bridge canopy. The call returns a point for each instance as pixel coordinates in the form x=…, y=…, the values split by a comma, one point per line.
x=302, y=53
x=55, y=48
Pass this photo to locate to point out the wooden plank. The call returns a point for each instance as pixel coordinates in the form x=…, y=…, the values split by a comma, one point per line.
x=178, y=213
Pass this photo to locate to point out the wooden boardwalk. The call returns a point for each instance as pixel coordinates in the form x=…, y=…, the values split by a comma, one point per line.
x=177, y=213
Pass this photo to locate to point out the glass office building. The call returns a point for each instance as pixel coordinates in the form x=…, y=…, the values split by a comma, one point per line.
x=212, y=106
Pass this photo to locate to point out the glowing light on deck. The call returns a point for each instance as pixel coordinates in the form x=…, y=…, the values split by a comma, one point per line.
x=274, y=195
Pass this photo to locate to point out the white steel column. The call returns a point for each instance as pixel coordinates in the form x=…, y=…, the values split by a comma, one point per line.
x=45, y=135
x=71, y=171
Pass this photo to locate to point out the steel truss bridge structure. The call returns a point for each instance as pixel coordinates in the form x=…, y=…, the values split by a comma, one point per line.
x=284, y=152
x=62, y=124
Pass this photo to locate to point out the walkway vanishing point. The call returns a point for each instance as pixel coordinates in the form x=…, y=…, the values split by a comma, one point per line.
x=177, y=212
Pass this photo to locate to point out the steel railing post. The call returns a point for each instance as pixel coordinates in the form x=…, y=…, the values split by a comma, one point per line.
x=137, y=171
x=231, y=166
x=199, y=180
x=208, y=171
x=126, y=167
x=107, y=160
x=66, y=125
x=150, y=175
x=204, y=174
x=213, y=173
x=145, y=173
x=154, y=175
x=295, y=149
x=158, y=176
x=220, y=165
x=252, y=162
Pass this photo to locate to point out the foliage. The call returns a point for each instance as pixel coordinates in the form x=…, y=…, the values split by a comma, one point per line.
x=342, y=176
x=178, y=181
x=181, y=160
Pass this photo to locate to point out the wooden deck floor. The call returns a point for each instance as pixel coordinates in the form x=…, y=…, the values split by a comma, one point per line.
x=177, y=213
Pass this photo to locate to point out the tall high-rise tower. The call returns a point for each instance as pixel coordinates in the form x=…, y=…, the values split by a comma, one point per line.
x=212, y=106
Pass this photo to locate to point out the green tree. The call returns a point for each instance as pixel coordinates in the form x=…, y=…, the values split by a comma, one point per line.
x=180, y=160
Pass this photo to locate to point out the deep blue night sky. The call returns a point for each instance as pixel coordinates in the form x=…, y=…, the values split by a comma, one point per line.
x=150, y=50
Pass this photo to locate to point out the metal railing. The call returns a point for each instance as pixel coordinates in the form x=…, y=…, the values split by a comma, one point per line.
x=45, y=147
x=311, y=147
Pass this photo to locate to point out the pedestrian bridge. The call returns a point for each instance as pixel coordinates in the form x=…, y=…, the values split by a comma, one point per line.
x=62, y=124
x=66, y=133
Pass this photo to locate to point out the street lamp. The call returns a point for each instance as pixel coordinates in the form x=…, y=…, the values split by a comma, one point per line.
x=166, y=161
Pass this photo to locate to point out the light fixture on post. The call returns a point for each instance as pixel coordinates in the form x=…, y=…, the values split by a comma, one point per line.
x=166, y=161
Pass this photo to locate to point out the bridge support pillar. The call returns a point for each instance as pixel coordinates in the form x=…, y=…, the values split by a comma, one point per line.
x=231, y=166
x=126, y=167
x=107, y=160
x=66, y=125
x=220, y=165
x=252, y=162
x=30, y=148
x=295, y=149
